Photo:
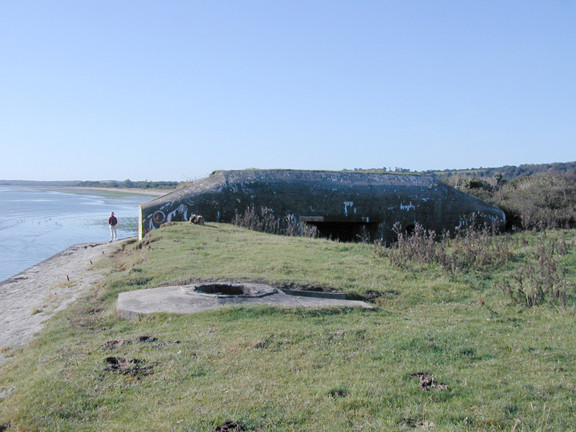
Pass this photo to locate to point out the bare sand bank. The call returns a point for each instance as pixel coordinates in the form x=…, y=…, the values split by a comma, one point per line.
x=30, y=298
x=133, y=191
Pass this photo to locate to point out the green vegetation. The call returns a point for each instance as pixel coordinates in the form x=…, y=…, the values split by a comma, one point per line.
x=448, y=348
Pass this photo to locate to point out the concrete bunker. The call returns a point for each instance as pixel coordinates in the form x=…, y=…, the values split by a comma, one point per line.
x=230, y=289
x=342, y=205
x=214, y=295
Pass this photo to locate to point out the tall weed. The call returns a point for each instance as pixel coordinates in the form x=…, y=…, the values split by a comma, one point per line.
x=544, y=279
x=469, y=248
x=539, y=278
x=263, y=219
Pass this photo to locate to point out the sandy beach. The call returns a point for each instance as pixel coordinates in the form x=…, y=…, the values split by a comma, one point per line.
x=30, y=298
x=131, y=191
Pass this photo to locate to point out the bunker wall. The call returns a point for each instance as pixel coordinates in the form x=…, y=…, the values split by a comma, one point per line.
x=378, y=201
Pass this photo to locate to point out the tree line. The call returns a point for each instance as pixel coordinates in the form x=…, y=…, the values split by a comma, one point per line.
x=143, y=184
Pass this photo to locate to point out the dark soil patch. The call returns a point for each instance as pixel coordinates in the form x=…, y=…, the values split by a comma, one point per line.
x=417, y=423
x=124, y=366
x=163, y=344
x=119, y=342
x=145, y=339
x=469, y=352
x=94, y=311
x=409, y=421
x=306, y=287
x=261, y=344
x=116, y=343
x=147, y=242
x=338, y=393
x=426, y=381
x=372, y=295
x=230, y=426
x=129, y=242
x=355, y=296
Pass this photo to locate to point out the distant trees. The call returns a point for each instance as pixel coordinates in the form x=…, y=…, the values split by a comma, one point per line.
x=382, y=170
x=507, y=172
x=510, y=172
x=129, y=184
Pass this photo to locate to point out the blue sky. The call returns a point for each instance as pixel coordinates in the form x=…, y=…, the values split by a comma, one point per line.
x=148, y=90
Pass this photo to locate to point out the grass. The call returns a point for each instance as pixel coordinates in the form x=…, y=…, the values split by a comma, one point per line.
x=508, y=366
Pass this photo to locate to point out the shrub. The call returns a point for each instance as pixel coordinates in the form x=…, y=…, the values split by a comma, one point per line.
x=546, y=200
x=542, y=201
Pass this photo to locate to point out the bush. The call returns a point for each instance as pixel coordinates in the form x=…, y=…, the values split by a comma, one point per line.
x=542, y=201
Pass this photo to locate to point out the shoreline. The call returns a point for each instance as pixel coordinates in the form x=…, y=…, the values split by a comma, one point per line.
x=33, y=296
x=130, y=191
x=133, y=191
x=40, y=221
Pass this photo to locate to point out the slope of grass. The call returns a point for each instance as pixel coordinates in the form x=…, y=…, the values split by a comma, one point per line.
x=492, y=364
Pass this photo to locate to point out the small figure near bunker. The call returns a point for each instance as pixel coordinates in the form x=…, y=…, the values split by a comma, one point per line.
x=197, y=219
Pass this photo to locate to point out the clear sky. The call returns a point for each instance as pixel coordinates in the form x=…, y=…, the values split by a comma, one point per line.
x=172, y=90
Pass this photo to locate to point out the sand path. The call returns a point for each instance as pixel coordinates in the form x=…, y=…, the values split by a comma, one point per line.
x=30, y=298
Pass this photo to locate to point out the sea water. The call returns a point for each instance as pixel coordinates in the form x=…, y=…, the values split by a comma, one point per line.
x=36, y=223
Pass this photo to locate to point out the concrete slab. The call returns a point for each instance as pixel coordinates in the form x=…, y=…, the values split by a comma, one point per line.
x=185, y=300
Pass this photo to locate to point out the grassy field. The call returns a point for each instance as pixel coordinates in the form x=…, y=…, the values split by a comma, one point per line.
x=443, y=350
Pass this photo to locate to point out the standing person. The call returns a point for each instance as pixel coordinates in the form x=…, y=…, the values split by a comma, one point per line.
x=112, y=222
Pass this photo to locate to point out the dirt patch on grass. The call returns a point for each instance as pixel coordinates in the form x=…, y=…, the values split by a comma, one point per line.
x=113, y=344
x=426, y=381
x=230, y=426
x=119, y=342
x=116, y=343
x=338, y=393
x=133, y=367
x=261, y=344
x=372, y=295
x=417, y=423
